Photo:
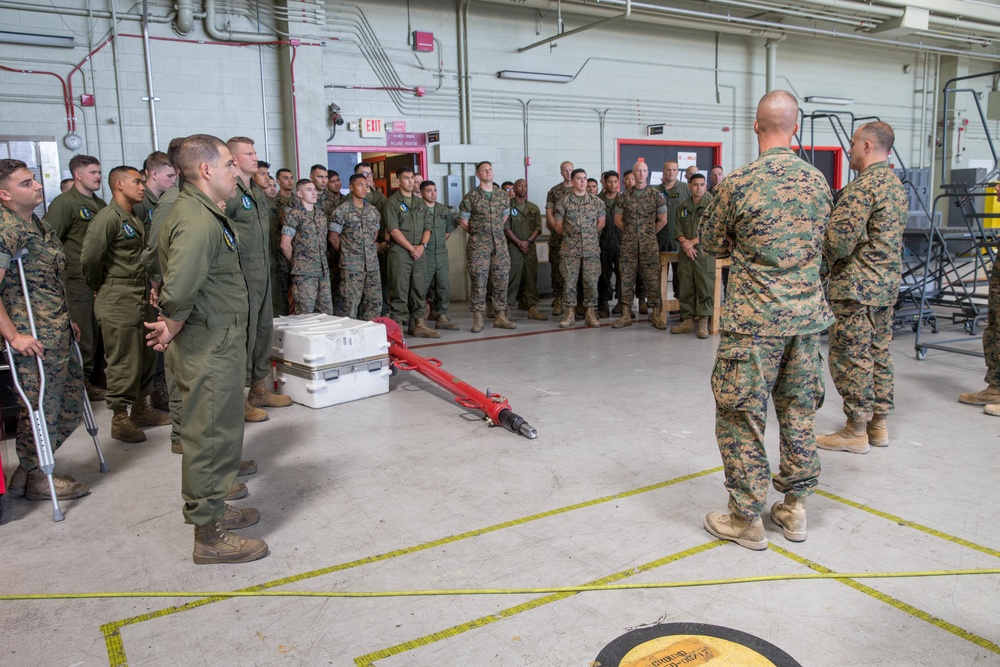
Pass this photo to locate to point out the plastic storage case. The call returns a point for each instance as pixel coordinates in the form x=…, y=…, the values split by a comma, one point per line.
x=322, y=360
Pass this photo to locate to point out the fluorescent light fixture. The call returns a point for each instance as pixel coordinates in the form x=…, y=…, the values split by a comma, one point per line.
x=29, y=39
x=534, y=76
x=823, y=99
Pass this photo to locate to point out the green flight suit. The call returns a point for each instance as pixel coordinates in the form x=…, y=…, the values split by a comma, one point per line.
x=407, y=277
x=69, y=214
x=525, y=219
x=204, y=286
x=437, y=269
x=696, y=276
x=111, y=258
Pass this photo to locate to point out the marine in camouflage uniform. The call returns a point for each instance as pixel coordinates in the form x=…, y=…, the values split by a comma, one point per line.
x=69, y=214
x=641, y=211
x=486, y=250
x=64, y=394
x=582, y=218
x=774, y=212
x=524, y=224
x=310, y=269
x=360, y=282
x=696, y=276
x=863, y=250
x=555, y=193
x=990, y=397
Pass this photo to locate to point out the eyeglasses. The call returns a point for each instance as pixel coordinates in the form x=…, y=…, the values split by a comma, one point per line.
x=366, y=174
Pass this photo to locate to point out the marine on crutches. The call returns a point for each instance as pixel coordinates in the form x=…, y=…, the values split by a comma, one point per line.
x=36, y=412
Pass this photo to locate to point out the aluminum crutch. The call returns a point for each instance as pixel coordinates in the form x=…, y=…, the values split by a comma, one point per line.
x=88, y=414
x=39, y=427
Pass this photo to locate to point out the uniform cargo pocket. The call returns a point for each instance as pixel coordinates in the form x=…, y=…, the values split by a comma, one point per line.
x=736, y=378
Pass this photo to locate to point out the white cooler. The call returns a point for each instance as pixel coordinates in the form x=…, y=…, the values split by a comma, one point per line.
x=322, y=360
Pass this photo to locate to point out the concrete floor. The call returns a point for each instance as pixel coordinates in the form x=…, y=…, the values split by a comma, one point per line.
x=410, y=491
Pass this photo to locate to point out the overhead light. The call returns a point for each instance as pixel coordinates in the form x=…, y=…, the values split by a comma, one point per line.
x=29, y=39
x=822, y=99
x=534, y=76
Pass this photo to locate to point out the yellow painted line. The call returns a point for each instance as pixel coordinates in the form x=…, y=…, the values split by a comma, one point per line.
x=894, y=602
x=368, y=660
x=910, y=524
x=112, y=631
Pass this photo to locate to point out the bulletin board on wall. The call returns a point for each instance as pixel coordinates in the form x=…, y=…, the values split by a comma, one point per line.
x=655, y=152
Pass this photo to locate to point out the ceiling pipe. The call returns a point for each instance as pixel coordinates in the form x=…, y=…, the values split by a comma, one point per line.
x=613, y=19
x=230, y=35
x=184, y=25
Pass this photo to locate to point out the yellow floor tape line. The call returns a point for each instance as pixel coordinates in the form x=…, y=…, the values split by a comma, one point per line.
x=368, y=660
x=112, y=631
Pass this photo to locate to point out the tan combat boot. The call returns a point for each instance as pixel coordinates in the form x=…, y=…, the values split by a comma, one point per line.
x=213, y=544
x=261, y=396
x=143, y=415
x=237, y=518
x=568, y=319
x=123, y=429
x=535, y=314
x=557, y=306
x=421, y=330
x=502, y=321
x=491, y=312
x=852, y=438
x=252, y=414
x=624, y=321
x=643, y=309
x=878, y=431
x=36, y=486
x=590, y=319
x=442, y=322
x=477, y=322
x=992, y=410
x=160, y=398
x=247, y=467
x=702, y=327
x=791, y=517
x=659, y=318
x=748, y=533
x=683, y=327
x=988, y=396
x=239, y=490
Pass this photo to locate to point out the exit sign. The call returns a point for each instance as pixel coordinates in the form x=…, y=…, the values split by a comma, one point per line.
x=373, y=127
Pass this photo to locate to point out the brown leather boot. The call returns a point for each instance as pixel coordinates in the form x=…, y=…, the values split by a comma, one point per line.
x=123, y=429
x=160, y=398
x=143, y=415
x=852, y=438
x=237, y=518
x=442, y=322
x=94, y=393
x=624, y=321
x=247, y=467
x=502, y=321
x=535, y=314
x=239, y=490
x=421, y=330
x=252, y=414
x=643, y=308
x=261, y=396
x=557, y=306
x=214, y=544
x=603, y=310
x=590, y=319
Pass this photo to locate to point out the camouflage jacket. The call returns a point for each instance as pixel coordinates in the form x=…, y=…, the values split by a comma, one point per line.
x=113, y=247
x=328, y=202
x=308, y=231
x=581, y=216
x=774, y=211
x=555, y=193
x=525, y=219
x=639, y=209
x=487, y=217
x=863, y=242
x=412, y=218
x=357, y=228
x=687, y=217
x=43, y=267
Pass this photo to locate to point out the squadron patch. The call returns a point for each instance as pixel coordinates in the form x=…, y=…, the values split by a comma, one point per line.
x=130, y=232
x=403, y=207
x=86, y=213
x=247, y=203
x=230, y=239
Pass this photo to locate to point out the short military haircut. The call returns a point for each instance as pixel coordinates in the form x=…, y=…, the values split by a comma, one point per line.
x=608, y=174
x=717, y=166
x=239, y=140
x=119, y=174
x=355, y=177
x=263, y=165
x=427, y=184
x=480, y=164
x=578, y=171
x=283, y=170
x=506, y=184
x=880, y=134
x=403, y=170
x=172, y=149
x=627, y=172
x=777, y=111
x=301, y=183
x=7, y=169
x=155, y=160
x=65, y=182
x=331, y=173
x=315, y=167
x=362, y=165
x=592, y=180
x=81, y=161
x=196, y=150
x=695, y=177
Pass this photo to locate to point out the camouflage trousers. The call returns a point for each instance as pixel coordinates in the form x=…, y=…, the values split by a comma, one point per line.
x=361, y=292
x=991, y=336
x=643, y=256
x=860, y=362
x=587, y=270
x=523, y=276
x=555, y=248
x=488, y=268
x=748, y=371
x=63, y=402
x=697, y=284
x=311, y=294
x=438, y=282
